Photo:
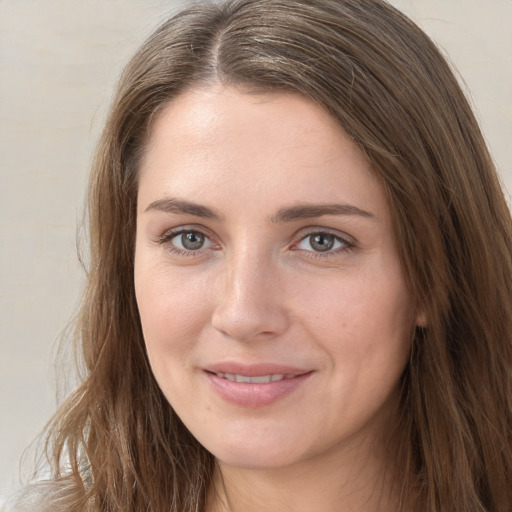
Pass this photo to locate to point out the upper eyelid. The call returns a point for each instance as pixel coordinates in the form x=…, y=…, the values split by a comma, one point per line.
x=305, y=232
x=168, y=234
x=345, y=244
x=185, y=229
x=165, y=240
x=297, y=237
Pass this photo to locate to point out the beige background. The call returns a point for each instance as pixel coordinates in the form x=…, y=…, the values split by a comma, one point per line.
x=59, y=60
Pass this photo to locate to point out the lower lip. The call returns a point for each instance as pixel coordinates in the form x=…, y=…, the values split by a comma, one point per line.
x=254, y=394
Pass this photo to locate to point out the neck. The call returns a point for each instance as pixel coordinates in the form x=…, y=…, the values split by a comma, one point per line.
x=355, y=482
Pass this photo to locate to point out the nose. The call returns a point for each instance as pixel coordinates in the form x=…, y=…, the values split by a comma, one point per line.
x=250, y=302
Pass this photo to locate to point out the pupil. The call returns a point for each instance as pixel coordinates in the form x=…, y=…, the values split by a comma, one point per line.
x=322, y=243
x=192, y=240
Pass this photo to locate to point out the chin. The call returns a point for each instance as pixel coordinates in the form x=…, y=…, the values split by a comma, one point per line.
x=254, y=448
x=264, y=458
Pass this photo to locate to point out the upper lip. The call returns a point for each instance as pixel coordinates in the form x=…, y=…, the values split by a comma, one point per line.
x=255, y=370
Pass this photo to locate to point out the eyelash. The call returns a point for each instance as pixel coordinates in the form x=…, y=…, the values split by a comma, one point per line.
x=166, y=241
x=346, y=244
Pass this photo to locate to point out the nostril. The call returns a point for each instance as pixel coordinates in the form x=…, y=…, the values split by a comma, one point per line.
x=247, y=326
x=248, y=305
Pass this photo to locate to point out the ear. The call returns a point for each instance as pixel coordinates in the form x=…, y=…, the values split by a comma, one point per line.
x=421, y=318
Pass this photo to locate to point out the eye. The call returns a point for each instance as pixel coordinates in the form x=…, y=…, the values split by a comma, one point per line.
x=185, y=241
x=190, y=240
x=322, y=242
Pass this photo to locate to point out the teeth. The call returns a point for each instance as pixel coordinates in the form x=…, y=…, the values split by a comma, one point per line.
x=260, y=379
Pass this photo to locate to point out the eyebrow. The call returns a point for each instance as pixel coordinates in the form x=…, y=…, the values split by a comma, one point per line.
x=289, y=214
x=308, y=211
x=173, y=205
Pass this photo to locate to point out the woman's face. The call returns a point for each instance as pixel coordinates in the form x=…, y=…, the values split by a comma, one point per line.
x=274, y=310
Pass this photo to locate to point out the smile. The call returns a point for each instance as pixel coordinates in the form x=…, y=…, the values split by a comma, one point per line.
x=260, y=379
x=258, y=389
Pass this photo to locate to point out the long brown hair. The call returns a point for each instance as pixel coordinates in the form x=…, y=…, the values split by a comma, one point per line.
x=116, y=444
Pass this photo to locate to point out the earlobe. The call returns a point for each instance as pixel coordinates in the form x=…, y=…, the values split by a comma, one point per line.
x=421, y=319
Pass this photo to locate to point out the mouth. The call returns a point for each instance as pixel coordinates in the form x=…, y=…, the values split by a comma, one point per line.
x=263, y=372
x=255, y=386
x=257, y=379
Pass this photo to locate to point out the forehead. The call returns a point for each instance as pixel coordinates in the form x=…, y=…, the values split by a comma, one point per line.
x=219, y=142
x=208, y=116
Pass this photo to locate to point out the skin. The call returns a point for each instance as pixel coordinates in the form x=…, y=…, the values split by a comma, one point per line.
x=258, y=290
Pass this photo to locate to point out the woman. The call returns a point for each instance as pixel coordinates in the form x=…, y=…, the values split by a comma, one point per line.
x=300, y=290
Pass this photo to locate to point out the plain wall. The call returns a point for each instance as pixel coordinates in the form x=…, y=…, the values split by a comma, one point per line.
x=59, y=60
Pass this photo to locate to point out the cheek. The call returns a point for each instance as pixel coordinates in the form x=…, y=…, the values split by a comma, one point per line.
x=367, y=324
x=173, y=309
x=359, y=302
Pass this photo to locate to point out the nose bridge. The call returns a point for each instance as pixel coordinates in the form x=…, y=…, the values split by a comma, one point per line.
x=248, y=303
